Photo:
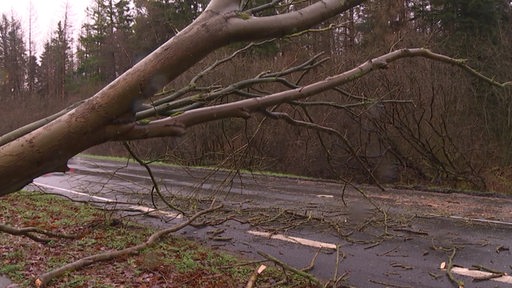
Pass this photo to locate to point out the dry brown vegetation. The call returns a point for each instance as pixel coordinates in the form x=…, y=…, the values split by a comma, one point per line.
x=420, y=123
x=172, y=262
x=417, y=122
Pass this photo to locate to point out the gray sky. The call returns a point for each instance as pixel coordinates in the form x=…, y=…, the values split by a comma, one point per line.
x=45, y=15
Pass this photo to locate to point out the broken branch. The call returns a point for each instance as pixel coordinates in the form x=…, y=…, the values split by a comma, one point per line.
x=45, y=278
x=287, y=267
x=31, y=232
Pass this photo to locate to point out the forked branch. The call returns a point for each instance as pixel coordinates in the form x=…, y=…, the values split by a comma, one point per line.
x=172, y=126
x=44, y=279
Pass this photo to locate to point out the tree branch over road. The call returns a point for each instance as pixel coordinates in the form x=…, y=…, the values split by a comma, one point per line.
x=109, y=115
x=94, y=122
x=175, y=126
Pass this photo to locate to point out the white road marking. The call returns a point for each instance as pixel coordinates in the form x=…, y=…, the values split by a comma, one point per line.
x=302, y=241
x=481, y=220
x=324, y=196
x=475, y=274
x=143, y=209
x=75, y=192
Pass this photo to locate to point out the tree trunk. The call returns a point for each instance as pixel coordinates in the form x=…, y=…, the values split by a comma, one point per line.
x=48, y=148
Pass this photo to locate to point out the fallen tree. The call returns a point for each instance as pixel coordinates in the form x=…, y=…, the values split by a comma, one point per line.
x=111, y=114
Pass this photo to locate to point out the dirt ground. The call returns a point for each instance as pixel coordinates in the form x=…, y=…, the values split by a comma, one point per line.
x=448, y=204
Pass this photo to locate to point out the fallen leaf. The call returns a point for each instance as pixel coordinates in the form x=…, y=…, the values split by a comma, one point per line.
x=443, y=265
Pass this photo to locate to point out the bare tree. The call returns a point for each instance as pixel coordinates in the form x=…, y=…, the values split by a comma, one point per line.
x=110, y=114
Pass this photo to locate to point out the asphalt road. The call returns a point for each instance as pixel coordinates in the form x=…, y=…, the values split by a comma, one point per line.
x=392, y=238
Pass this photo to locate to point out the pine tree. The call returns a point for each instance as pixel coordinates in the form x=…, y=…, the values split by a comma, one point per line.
x=56, y=63
x=156, y=21
x=12, y=57
x=105, y=48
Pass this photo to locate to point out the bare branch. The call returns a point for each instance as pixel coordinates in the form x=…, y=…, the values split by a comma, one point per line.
x=6, y=138
x=33, y=233
x=364, y=102
x=287, y=267
x=45, y=278
x=243, y=108
x=156, y=187
x=263, y=7
x=449, y=266
x=328, y=130
x=247, y=27
x=171, y=105
x=254, y=276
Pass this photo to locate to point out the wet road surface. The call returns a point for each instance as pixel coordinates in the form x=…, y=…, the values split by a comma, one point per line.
x=392, y=238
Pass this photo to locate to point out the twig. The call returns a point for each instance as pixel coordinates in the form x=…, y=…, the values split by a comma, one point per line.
x=287, y=267
x=449, y=266
x=502, y=248
x=435, y=276
x=410, y=231
x=389, y=251
x=31, y=232
x=400, y=265
x=375, y=244
x=153, y=180
x=254, y=276
x=485, y=269
x=494, y=273
x=45, y=278
x=242, y=264
x=336, y=279
x=388, y=284
x=312, y=262
x=488, y=277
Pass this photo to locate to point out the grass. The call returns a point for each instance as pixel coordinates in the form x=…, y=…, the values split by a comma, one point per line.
x=173, y=262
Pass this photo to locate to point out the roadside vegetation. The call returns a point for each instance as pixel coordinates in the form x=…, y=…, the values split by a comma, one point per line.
x=172, y=262
x=417, y=123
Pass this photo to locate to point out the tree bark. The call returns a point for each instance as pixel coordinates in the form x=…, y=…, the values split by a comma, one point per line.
x=48, y=148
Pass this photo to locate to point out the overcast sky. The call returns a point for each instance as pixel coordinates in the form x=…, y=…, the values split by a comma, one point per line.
x=46, y=14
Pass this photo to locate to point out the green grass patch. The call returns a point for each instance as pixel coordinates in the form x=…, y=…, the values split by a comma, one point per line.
x=173, y=262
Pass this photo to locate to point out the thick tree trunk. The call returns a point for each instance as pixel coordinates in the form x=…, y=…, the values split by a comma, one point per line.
x=48, y=148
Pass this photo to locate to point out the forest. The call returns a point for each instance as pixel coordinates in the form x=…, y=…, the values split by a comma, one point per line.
x=415, y=123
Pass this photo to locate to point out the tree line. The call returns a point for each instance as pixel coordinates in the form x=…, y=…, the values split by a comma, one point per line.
x=115, y=36
x=118, y=33
x=448, y=134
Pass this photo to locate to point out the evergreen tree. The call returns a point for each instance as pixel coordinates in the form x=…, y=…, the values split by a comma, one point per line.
x=12, y=57
x=123, y=36
x=463, y=21
x=156, y=21
x=104, y=49
x=32, y=73
x=56, y=63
